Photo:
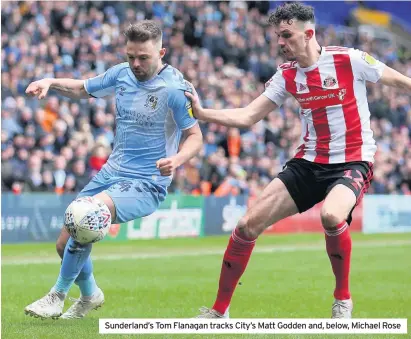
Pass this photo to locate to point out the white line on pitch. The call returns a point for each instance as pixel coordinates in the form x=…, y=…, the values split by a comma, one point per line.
x=195, y=253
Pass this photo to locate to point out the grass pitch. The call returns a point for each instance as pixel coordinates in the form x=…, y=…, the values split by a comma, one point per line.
x=289, y=276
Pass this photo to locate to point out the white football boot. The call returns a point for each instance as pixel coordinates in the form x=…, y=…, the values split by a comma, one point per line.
x=82, y=307
x=209, y=313
x=50, y=306
x=342, y=309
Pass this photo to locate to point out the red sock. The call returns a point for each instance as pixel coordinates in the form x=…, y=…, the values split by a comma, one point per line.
x=338, y=244
x=235, y=261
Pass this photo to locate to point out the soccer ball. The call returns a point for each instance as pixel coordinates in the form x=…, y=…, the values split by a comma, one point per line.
x=87, y=220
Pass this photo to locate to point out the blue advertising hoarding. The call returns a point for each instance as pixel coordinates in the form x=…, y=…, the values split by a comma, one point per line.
x=33, y=217
x=223, y=213
x=387, y=214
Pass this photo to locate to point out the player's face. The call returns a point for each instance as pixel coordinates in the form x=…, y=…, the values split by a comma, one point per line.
x=144, y=58
x=291, y=39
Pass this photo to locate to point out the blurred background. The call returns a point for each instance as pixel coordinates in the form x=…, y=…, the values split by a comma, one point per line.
x=226, y=49
x=51, y=148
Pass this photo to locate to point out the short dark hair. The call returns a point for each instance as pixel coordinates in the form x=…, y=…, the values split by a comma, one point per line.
x=143, y=31
x=289, y=11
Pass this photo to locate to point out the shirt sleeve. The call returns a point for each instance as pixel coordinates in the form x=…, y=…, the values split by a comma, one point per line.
x=275, y=88
x=181, y=106
x=103, y=84
x=365, y=66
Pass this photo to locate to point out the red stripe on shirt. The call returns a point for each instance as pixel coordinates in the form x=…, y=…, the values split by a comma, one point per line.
x=301, y=148
x=353, y=137
x=289, y=77
x=320, y=120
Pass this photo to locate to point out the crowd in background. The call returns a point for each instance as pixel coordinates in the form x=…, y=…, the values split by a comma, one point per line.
x=226, y=49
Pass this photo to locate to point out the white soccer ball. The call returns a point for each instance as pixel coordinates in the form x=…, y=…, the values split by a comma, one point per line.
x=87, y=220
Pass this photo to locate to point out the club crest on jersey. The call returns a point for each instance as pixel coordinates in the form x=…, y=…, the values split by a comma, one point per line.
x=341, y=94
x=151, y=101
x=329, y=82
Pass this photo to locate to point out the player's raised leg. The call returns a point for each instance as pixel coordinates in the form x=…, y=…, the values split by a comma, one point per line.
x=336, y=209
x=132, y=198
x=86, y=273
x=274, y=204
x=92, y=296
x=75, y=257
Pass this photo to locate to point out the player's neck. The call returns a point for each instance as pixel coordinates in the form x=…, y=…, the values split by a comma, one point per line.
x=158, y=70
x=159, y=67
x=311, y=57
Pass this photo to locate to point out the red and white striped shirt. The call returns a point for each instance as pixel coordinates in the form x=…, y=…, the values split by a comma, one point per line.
x=334, y=108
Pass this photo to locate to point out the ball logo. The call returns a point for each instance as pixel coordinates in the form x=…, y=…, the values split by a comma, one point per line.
x=106, y=217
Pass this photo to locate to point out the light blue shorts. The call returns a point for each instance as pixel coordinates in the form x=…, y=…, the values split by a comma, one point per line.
x=133, y=198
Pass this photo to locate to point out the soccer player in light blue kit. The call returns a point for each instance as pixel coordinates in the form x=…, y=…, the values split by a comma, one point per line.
x=153, y=114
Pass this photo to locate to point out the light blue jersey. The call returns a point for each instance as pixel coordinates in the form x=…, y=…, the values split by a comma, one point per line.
x=150, y=118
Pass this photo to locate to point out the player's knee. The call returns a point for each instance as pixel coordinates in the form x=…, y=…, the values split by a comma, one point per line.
x=329, y=219
x=248, y=229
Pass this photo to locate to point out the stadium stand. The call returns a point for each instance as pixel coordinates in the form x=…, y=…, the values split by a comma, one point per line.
x=225, y=49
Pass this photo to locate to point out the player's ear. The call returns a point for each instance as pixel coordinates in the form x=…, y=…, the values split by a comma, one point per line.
x=309, y=33
x=162, y=52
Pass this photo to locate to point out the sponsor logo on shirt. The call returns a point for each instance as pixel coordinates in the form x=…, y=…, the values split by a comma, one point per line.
x=316, y=97
x=143, y=119
x=321, y=98
x=342, y=93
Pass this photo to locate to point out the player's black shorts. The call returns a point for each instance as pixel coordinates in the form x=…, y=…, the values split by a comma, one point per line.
x=309, y=183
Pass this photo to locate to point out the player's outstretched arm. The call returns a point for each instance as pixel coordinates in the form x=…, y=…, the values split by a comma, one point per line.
x=70, y=88
x=236, y=117
x=191, y=146
x=391, y=77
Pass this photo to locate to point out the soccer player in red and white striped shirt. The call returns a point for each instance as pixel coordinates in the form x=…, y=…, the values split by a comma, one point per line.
x=334, y=160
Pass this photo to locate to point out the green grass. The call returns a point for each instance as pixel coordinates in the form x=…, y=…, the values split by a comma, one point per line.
x=292, y=281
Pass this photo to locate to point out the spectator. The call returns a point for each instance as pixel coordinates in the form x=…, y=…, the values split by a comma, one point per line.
x=59, y=173
x=80, y=173
x=224, y=48
x=48, y=182
x=70, y=184
x=34, y=179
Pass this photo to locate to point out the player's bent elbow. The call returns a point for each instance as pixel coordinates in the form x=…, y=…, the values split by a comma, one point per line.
x=199, y=143
x=251, y=118
x=245, y=123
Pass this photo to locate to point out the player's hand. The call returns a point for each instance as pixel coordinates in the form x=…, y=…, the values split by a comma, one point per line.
x=167, y=166
x=39, y=88
x=195, y=101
